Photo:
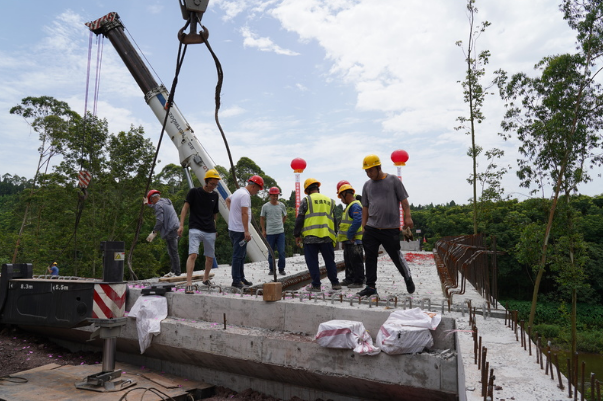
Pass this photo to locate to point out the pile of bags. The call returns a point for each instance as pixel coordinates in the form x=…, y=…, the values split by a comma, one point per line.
x=404, y=332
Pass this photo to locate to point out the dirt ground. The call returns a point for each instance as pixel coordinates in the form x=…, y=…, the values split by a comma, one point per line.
x=20, y=350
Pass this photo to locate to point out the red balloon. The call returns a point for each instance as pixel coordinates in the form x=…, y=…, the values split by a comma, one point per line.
x=298, y=165
x=399, y=157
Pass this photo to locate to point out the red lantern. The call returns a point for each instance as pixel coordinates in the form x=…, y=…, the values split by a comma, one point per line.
x=399, y=157
x=298, y=165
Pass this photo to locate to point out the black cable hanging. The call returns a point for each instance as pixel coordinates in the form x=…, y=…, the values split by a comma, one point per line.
x=179, y=60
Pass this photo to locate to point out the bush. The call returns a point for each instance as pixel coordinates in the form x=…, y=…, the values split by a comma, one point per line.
x=548, y=331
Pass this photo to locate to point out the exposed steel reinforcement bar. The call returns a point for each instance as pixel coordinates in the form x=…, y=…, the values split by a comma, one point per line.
x=467, y=258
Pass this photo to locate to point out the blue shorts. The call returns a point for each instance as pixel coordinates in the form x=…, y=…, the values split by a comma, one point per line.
x=195, y=237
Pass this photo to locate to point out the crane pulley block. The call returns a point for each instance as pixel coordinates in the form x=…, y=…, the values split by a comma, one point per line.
x=193, y=6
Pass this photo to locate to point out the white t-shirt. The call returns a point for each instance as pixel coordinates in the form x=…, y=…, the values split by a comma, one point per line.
x=240, y=198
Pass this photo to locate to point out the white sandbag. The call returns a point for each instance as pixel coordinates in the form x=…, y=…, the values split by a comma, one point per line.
x=346, y=334
x=407, y=331
x=417, y=317
x=149, y=311
x=395, y=338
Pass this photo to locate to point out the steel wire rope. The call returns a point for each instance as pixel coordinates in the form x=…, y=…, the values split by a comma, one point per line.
x=179, y=60
x=218, y=93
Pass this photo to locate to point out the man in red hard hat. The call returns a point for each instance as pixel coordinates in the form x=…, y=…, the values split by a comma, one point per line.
x=272, y=220
x=166, y=222
x=239, y=222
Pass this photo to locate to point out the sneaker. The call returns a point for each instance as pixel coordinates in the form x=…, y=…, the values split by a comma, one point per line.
x=336, y=286
x=247, y=283
x=410, y=286
x=207, y=283
x=367, y=292
x=170, y=274
x=355, y=285
x=345, y=282
x=282, y=272
x=311, y=288
x=271, y=272
x=237, y=285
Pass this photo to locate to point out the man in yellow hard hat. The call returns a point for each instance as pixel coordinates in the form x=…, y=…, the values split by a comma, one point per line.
x=315, y=227
x=166, y=223
x=203, y=205
x=53, y=269
x=350, y=236
x=382, y=195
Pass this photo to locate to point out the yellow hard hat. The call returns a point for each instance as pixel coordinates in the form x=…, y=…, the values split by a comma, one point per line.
x=54, y=263
x=371, y=161
x=212, y=173
x=345, y=187
x=309, y=182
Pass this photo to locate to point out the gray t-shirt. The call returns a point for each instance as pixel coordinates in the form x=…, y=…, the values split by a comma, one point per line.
x=382, y=198
x=274, y=217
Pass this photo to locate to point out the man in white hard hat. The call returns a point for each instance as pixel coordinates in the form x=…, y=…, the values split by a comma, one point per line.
x=203, y=205
x=166, y=223
x=382, y=195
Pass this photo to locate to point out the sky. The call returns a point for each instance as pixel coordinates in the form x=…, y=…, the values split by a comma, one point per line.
x=328, y=81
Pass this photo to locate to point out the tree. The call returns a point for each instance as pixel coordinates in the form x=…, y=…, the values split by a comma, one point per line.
x=50, y=118
x=473, y=93
x=557, y=116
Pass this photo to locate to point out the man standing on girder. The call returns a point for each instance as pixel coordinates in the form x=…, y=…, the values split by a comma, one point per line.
x=203, y=205
x=272, y=220
x=166, y=222
x=315, y=227
x=239, y=222
x=382, y=195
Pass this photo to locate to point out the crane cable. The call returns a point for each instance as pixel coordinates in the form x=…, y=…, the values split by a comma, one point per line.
x=179, y=60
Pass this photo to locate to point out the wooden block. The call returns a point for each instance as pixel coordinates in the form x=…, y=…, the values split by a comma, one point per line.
x=273, y=291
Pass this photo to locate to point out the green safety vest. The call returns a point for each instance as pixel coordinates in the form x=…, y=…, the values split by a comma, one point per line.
x=345, y=224
x=319, y=220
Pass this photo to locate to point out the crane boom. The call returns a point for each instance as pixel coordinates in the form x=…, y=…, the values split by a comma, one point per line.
x=191, y=152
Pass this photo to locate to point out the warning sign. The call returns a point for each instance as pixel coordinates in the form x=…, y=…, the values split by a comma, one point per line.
x=119, y=256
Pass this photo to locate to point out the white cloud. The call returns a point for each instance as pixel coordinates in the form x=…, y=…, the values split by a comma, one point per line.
x=264, y=44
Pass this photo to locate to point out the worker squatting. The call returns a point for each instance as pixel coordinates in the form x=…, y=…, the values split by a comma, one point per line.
x=368, y=222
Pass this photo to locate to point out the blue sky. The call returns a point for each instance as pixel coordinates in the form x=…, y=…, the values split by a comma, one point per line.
x=328, y=81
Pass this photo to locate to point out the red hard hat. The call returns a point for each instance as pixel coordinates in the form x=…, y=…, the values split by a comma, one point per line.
x=340, y=183
x=151, y=193
x=274, y=191
x=256, y=179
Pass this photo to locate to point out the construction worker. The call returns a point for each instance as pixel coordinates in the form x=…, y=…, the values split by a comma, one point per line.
x=203, y=205
x=350, y=236
x=53, y=269
x=382, y=195
x=166, y=222
x=239, y=221
x=315, y=227
x=272, y=220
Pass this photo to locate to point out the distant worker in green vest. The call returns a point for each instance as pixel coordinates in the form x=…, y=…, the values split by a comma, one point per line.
x=350, y=236
x=382, y=196
x=315, y=228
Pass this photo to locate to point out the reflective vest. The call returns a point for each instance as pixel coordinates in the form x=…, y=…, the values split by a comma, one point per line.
x=319, y=220
x=345, y=224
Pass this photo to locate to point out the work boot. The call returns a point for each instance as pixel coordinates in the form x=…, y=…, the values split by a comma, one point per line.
x=271, y=272
x=282, y=272
x=345, y=282
x=311, y=288
x=367, y=292
x=237, y=285
x=356, y=285
x=247, y=283
x=336, y=286
x=410, y=286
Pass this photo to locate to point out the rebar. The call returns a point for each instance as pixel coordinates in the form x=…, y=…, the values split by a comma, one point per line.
x=558, y=373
